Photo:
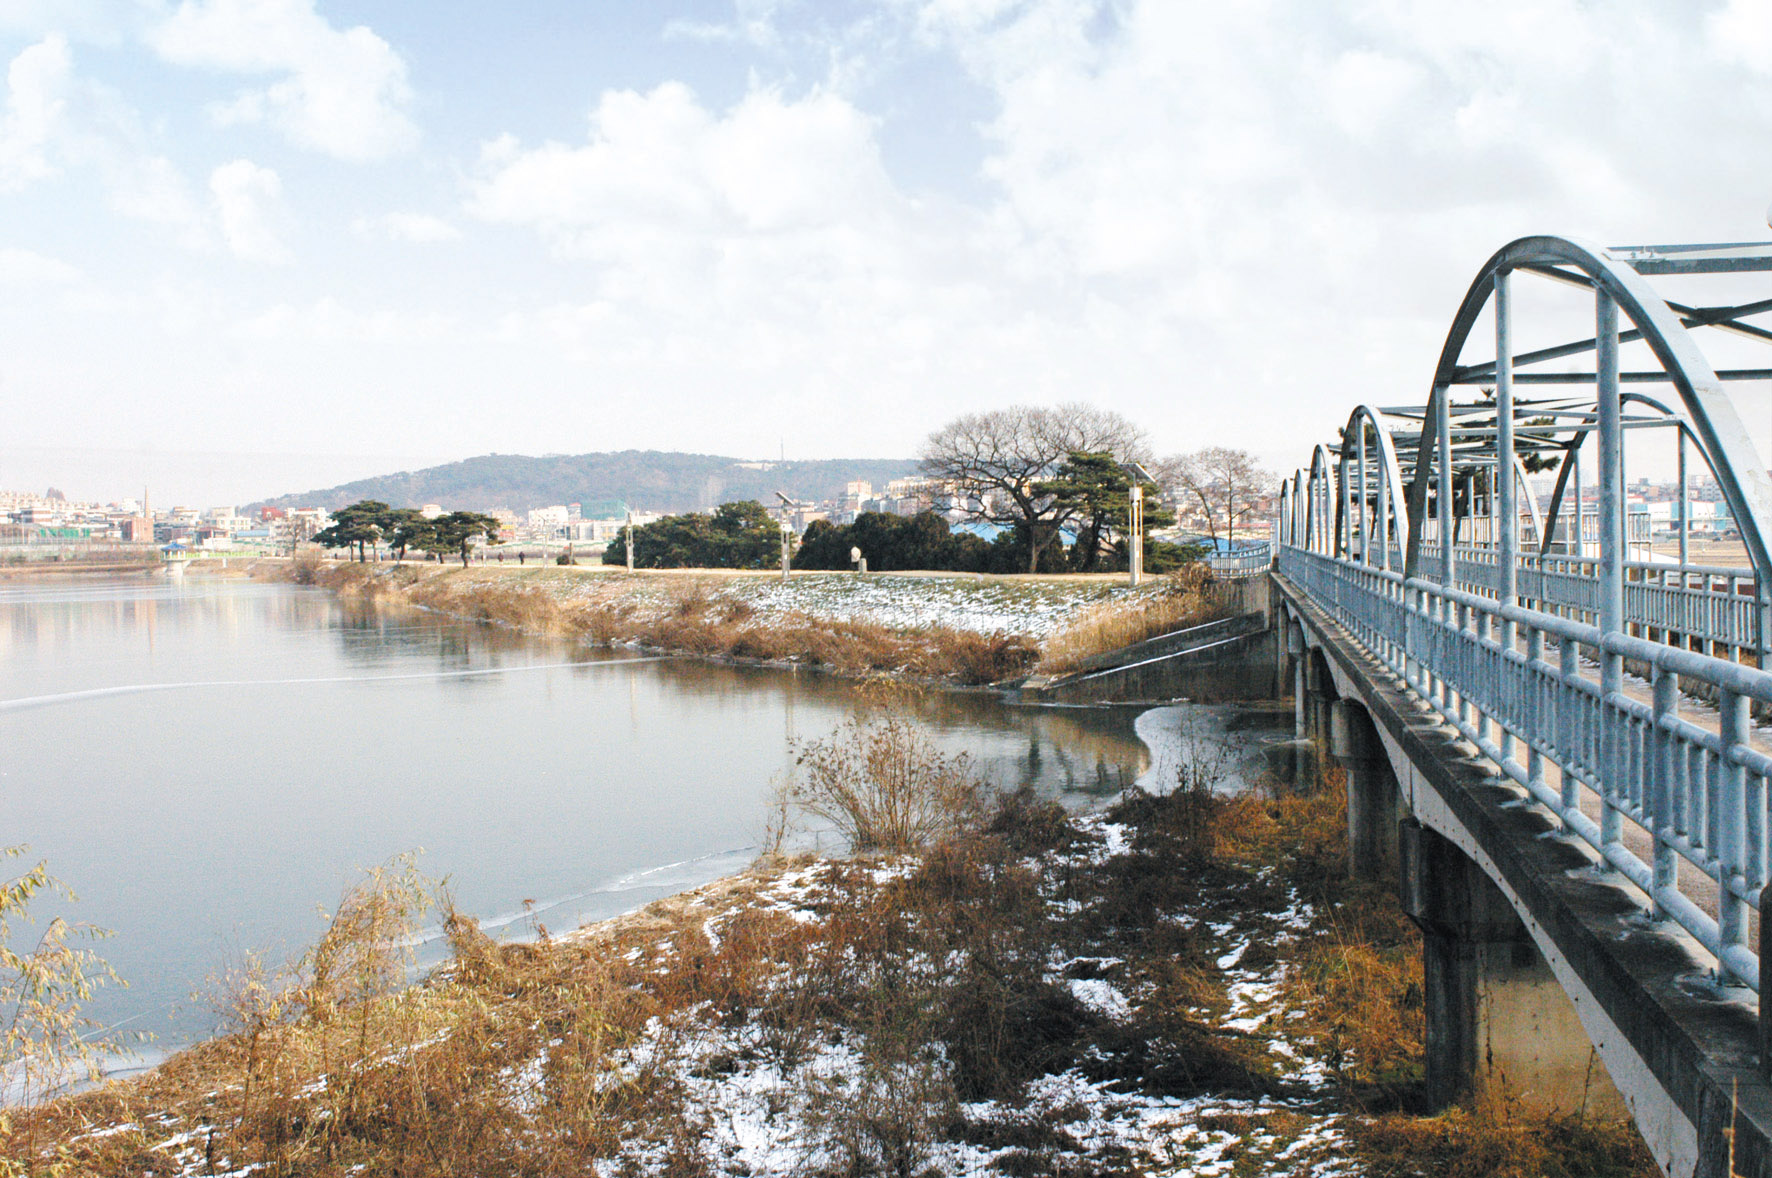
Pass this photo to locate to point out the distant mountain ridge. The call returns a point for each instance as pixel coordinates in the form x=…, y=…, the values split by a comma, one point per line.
x=647, y=480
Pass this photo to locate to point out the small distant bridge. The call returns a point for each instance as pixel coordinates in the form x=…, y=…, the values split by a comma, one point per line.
x=1547, y=728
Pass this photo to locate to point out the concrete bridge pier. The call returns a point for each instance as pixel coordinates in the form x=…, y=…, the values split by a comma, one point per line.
x=1374, y=803
x=1297, y=652
x=1497, y=1019
x=1296, y=760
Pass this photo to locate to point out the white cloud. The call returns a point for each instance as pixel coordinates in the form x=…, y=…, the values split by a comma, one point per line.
x=249, y=204
x=1231, y=220
x=53, y=120
x=422, y=228
x=330, y=321
x=340, y=92
x=26, y=268
x=661, y=173
x=151, y=188
x=37, y=81
x=1287, y=199
x=1742, y=32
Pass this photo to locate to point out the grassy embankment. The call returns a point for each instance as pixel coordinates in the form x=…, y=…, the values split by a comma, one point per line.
x=1186, y=984
x=959, y=630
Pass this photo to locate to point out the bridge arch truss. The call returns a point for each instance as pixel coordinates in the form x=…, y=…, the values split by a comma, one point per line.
x=1556, y=640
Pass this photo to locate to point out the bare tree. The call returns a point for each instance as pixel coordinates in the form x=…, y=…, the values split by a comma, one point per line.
x=997, y=458
x=1225, y=486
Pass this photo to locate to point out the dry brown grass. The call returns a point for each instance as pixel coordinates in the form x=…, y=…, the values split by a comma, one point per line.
x=511, y=1061
x=578, y=1056
x=1189, y=597
x=690, y=615
x=523, y=607
x=1498, y=1140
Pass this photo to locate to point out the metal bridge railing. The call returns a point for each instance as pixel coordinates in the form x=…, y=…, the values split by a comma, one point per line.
x=1716, y=607
x=1700, y=795
x=1251, y=561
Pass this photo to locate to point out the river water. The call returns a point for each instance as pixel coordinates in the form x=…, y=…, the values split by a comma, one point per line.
x=208, y=763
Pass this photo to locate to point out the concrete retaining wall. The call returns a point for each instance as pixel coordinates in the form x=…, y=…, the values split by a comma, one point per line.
x=1239, y=667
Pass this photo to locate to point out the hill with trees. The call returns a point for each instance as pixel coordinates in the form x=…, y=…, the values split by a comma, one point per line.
x=647, y=480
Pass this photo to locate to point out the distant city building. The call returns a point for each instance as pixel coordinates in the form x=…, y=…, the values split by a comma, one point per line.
x=548, y=523
x=430, y=511
x=602, y=531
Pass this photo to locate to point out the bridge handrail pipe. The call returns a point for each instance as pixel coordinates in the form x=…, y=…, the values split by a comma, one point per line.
x=1682, y=816
x=1731, y=676
x=1704, y=570
x=1572, y=582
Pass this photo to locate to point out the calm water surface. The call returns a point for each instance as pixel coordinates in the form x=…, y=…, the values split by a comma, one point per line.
x=286, y=740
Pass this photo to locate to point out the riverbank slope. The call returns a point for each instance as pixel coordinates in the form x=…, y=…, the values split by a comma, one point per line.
x=967, y=630
x=1185, y=984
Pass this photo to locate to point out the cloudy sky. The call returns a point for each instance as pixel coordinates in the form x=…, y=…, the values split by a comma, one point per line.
x=250, y=246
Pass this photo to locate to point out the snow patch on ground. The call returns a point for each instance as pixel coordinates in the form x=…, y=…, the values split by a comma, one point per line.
x=982, y=605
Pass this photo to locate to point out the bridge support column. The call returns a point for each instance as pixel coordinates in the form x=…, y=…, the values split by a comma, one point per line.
x=1298, y=652
x=1319, y=690
x=1374, y=803
x=1296, y=760
x=1496, y=1016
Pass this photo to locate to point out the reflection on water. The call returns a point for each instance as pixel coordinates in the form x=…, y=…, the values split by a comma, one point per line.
x=202, y=821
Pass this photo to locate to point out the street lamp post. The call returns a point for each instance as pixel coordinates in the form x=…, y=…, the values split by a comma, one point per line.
x=1136, y=476
x=787, y=534
x=1135, y=538
x=630, y=541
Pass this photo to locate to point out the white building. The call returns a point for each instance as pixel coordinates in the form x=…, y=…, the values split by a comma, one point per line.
x=549, y=521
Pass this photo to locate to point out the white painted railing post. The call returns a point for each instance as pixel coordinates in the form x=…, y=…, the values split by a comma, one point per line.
x=1732, y=910
x=1666, y=863
x=1507, y=556
x=1611, y=558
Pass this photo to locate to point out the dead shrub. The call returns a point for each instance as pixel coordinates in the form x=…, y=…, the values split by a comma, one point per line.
x=883, y=785
x=304, y=567
x=1029, y=825
x=692, y=633
x=885, y=1123
x=973, y=906
x=599, y=625
x=46, y=1041
x=693, y=597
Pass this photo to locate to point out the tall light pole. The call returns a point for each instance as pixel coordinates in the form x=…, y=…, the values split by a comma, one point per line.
x=1135, y=536
x=1137, y=475
x=787, y=535
x=630, y=540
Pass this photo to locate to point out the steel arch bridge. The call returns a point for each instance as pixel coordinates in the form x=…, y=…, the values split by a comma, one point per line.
x=1417, y=529
x=1608, y=689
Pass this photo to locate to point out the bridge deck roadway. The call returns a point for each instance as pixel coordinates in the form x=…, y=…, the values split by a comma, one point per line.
x=1682, y=1052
